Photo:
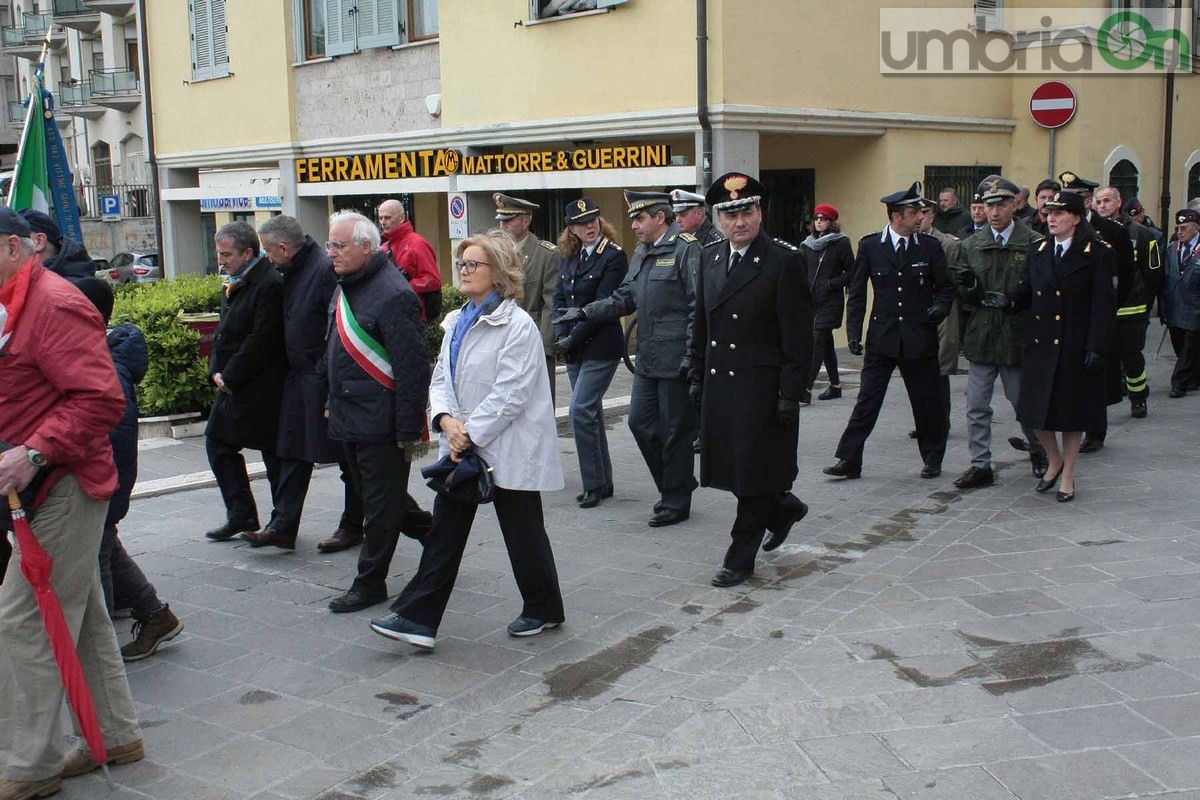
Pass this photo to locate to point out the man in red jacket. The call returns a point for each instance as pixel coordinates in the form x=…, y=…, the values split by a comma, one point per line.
x=411, y=252
x=59, y=398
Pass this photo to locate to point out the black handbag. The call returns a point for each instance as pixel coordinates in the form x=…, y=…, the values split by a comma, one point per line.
x=469, y=481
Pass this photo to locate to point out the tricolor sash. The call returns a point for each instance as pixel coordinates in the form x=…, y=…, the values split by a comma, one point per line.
x=362, y=347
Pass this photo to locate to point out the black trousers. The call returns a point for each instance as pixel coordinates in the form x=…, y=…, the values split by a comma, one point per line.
x=425, y=597
x=294, y=477
x=755, y=513
x=380, y=473
x=824, y=353
x=664, y=424
x=229, y=468
x=1129, y=342
x=1186, y=344
x=923, y=383
x=352, y=505
x=123, y=581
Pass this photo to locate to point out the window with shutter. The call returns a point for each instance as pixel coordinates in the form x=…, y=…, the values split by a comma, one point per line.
x=339, y=27
x=989, y=14
x=210, y=46
x=220, y=38
x=378, y=23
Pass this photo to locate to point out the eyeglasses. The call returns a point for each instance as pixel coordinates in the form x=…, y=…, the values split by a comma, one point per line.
x=337, y=247
x=822, y=218
x=467, y=267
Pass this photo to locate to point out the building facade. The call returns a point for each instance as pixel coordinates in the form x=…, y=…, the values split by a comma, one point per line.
x=308, y=106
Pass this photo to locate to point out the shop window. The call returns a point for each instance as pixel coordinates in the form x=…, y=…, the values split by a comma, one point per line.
x=210, y=46
x=366, y=204
x=963, y=180
x=550, y=9
x=1124, y=178
x=1193, y=190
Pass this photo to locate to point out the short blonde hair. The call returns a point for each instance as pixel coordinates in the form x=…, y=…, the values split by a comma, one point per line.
x=501, y=251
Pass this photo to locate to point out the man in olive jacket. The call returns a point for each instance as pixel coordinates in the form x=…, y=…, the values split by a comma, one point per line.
x=991, y=264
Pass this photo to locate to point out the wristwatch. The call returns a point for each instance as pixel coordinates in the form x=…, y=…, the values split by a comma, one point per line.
x=35, y=458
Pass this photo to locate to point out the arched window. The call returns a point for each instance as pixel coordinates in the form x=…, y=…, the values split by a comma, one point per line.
x=1124, y=176
x=102, y=165
x=1194, y=181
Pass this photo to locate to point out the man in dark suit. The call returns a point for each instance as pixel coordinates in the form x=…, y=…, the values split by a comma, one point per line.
x=750, y=353
x=913, y=293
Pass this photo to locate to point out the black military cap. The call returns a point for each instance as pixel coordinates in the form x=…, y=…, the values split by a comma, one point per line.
x=734, y=190
x=1134, y=207
x=1066, y=200
x=582, y=210
x=1073, y=183
x=906, y=197
x=1187, y=215
x=509, y=207
x=926, y=203
x=976, y=199
x=645, y=201
x=997, y=189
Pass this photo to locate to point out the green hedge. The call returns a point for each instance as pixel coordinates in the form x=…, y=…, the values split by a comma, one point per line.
x=177, y=379
x=452, y=299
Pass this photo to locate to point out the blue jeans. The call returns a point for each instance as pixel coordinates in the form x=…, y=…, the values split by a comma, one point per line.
x=589, y=382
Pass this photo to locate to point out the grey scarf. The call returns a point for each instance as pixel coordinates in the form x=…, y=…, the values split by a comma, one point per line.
x=820, y=243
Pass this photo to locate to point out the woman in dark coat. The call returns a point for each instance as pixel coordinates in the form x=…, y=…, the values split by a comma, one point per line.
x=829, y=262
x=1072, y=293
x=593, y=266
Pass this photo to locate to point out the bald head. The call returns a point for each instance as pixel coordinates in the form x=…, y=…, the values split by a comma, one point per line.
x=391, y=215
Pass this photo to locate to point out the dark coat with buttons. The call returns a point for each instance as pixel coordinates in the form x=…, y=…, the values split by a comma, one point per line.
x=308, y=285
x=906, y=288
x=248, y=352
x=1074, y=307
x=581, y=282
x=661, y=287
x=829, y=269
x=751, y=344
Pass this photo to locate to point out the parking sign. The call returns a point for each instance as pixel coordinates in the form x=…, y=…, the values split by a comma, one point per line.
x=110, y=207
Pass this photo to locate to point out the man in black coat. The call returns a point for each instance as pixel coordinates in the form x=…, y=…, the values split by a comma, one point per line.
x=59, y=254
x=248, y=368
x=750, y=352
x=913, y=293
x=378, y=370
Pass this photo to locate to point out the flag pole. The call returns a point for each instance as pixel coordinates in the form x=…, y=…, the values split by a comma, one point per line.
x=37, y=87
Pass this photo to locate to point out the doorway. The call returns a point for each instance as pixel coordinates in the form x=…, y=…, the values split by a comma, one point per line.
x=790, y=200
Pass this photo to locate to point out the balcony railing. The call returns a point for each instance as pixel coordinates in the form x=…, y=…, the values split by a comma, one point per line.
x=71, y=8
x=16, y=111
x=76, y=94
x=137, y=199
x=109, y=82
x=31, y=31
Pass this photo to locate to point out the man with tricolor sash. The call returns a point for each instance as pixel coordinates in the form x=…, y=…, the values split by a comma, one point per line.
x=378, y=368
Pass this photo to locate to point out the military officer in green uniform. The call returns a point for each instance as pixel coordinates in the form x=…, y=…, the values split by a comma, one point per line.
x=691, y=213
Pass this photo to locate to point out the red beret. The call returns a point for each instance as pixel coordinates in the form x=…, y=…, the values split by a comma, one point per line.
x=826, y=210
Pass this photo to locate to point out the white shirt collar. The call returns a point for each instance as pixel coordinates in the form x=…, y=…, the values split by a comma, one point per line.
x=895, y=238
x=1007, y=232
x=1066, y=243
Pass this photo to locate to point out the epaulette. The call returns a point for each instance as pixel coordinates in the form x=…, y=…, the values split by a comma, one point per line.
x=788, y=245
x=548, y=245
x=873, y=235
x=687, y=237
x=714, y=243
x=615, y=245
x=1106, y=244
x=1045, y=241
x=1087, y=248
x=603, y=244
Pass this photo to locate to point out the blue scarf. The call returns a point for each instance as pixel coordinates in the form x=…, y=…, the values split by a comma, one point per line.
x=469, y=316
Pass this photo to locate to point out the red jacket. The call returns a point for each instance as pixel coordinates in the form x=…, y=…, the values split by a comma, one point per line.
x=414, y=255
x=59, y=392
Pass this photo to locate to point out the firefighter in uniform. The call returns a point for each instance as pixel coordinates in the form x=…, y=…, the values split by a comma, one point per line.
x=539, y=262
x=661, y=287
x=1134, y=298
x=692, y=216
x=913, y=294
x=750, y=352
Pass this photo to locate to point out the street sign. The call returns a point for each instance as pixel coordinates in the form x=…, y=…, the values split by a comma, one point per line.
x=459, y=228
x=110, y=207
x=1052, y=104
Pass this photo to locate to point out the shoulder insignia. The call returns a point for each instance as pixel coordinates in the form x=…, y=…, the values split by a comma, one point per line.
x=1088, y=247
x=672, y=240
x=788, y=245
x=951, y=237
x=713, y=243
x=687, y=237
x=1042, y=246
x=1106, y=244
x=603, y=244
x=873, y=235
x=614, y=245
x=548, y=245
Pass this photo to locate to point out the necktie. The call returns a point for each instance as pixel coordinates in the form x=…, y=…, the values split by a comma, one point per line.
x=900, y=249
x=1185, y=252
x=1000, y=239
x=584, y=257
x=734, y=261
x=1058, y=253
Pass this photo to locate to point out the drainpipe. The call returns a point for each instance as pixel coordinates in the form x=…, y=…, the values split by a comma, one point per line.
x=706, y=137
x=1164, y=200
x=144, y=57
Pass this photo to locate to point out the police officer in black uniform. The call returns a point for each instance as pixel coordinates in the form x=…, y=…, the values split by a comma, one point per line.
x=660, y=286
x=750, y=353
x=913, y=293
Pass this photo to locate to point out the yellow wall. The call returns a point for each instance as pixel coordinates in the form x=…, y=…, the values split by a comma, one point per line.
x=253, y=106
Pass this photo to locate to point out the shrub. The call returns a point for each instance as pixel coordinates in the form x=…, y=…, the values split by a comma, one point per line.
x=177, y=378
x=452, y=298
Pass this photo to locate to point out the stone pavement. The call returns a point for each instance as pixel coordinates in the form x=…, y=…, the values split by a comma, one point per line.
x=909, y=641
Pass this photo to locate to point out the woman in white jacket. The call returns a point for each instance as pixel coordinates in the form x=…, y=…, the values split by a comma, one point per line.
x=490, y=394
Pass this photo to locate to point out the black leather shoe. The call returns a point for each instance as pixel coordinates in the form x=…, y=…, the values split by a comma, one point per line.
x=230, y=530
x=832, y=393
x=975, y=477
x=668, y=516
x=658, y=506
x=1176, y=392
x=592, y=499
x=1017, y=443
x=1046, y=484
x=1038, y=462
x=354, y=601
x=1065, y=497
x=844, y=469
x=726, y=577
x=1091, y=445
x=270, y=537
x=794, y=510
x=605, y=493
x=930, y=471
x=1138, y=410
x=342, y=539
x=912, y=434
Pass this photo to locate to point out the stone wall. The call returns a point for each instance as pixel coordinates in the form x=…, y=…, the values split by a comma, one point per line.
x=103, y=239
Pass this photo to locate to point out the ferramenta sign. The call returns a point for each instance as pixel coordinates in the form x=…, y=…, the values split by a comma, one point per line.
x=438, y=163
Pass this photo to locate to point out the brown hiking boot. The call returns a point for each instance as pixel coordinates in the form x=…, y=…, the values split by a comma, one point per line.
x=151, y=631
x=80, y=762
x=28, y=790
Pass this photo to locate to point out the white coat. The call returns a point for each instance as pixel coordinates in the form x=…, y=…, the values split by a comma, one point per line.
x=501, y=393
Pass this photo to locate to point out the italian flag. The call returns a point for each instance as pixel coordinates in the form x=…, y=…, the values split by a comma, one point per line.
x=362, y=347
x=31, y=185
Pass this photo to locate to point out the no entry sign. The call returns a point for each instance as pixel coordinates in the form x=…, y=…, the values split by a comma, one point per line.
x=1052, y=104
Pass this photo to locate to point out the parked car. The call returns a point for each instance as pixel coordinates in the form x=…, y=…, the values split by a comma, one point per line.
x=130, y=268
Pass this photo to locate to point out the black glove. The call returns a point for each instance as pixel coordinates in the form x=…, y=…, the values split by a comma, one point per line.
x=936, y=314
x=694, y=393
x=964, y=277
x=562, y=344
x=996, y=300
x=1093, y=362
x=685, y=372
x=855, y=347
x=787, y=412
x=569, y=315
